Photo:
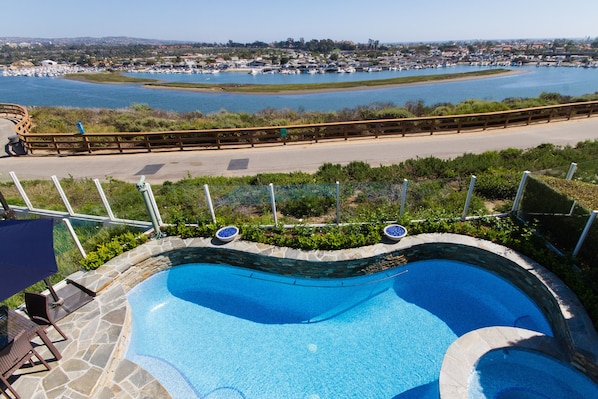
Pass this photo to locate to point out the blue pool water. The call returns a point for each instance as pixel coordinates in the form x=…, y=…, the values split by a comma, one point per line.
x=213, y=331
x=520, y=374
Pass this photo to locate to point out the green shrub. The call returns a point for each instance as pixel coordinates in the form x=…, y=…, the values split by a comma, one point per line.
x=479, y=106
x=495, y=185
x=110, y=249
x=307, y=206
x=330, y=173
x=331, y=237
x=389, y=112
x=188, y=231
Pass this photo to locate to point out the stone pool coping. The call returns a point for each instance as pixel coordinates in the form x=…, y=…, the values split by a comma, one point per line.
x=93, y=364
x=463, y=354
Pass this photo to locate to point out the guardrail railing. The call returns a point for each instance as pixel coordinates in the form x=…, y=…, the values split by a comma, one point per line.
x=19, y=116
x=282, y=135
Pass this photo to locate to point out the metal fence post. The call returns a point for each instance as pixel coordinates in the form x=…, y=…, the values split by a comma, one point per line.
x=154, y=205
x=338, y=203
x=469, y=195
x=206, y=191
x=104, y=199
x=520, y=190
x=585, y=232
x=75, y=238
x=142, y=188
x=403, y=197
x=572, y=169
x=65, y=200
x=17, y=183
x=273, y=201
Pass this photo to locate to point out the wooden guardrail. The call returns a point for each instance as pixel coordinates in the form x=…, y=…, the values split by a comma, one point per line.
x=19, y=116
x=282, y=135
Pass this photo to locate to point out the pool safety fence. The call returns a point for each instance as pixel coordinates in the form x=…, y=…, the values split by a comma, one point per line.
x=567, y=222
x=534, y=200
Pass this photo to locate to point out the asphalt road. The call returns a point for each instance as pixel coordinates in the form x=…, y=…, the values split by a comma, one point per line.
x=158, y=167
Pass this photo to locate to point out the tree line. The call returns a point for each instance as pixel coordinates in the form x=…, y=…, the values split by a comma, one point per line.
x=126, y=50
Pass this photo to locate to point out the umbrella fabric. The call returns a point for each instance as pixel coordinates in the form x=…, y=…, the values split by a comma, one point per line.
x=26, y=254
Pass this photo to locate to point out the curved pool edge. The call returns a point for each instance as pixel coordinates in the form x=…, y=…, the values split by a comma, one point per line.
x=463, y=354
x=580, y=338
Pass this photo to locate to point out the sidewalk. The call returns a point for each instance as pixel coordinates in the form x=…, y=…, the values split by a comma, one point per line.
x=6, y=130
x=158, y=167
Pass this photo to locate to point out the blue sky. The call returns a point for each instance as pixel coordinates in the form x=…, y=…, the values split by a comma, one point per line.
x=247, y=21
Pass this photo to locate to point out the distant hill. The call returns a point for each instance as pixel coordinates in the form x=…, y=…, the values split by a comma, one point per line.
x=110, y=40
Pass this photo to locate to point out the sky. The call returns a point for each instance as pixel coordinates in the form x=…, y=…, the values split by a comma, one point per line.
x=243, y=21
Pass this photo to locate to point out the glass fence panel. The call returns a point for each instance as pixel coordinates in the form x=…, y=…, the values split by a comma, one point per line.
x=125, y=201
x=242, y=203
x=82, y=195
x=588, y=250
x=184, y=203
x=370, y=202
x=437, y=198
x=557, y=216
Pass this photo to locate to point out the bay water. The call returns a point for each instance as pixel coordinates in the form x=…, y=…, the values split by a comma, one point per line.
x=531, y=82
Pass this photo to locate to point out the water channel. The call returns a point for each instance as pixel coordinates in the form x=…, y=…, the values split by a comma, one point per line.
x=531, y=82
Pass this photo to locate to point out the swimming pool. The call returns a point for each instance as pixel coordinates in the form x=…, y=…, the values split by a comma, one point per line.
x=212, y=331
x=512, y=373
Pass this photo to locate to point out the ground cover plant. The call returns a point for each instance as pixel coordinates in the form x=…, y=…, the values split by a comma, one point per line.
x=142, y=118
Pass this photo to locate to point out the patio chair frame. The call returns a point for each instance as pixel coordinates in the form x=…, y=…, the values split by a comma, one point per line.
x=13, y=357
x=38, y=310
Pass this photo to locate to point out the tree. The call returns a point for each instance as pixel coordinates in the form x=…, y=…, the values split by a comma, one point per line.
x=258, y=44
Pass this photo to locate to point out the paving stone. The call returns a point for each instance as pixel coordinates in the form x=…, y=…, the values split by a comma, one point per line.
x=124, y=369
x=71, y=365
x=57, y=378
x=107, y=393
x=85, y=384
x=102, y=355
x=140, y=378
x=153, y=390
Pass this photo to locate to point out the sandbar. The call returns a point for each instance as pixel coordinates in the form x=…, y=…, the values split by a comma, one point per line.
x=357, y=87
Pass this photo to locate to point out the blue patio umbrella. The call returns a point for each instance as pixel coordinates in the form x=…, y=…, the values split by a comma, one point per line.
x=26, y=254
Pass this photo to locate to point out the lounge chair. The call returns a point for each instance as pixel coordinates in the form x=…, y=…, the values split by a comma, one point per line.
x=12, y=357
x=38, y=309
